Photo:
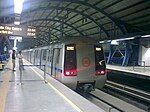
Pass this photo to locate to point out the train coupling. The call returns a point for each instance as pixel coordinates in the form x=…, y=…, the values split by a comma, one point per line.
x=86, y=87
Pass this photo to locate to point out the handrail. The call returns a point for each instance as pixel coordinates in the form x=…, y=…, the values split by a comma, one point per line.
x=21, y=69
x=134, y=62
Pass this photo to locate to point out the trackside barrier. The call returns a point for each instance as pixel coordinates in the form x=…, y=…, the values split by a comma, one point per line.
x=142, y=63
x=4, y=57
x=3, y=60
x=21, y=67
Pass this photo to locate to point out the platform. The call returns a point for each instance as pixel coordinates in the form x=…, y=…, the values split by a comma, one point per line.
x=137, y=71
x=34, y=95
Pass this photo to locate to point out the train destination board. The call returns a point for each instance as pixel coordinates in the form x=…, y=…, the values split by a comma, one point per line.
x=17, y=31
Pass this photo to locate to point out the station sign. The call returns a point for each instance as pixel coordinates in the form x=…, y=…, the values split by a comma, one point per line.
x=17, y=31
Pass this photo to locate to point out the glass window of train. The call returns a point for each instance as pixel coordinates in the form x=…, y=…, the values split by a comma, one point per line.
x=40, y=53
x=49, y=55
x=44, y=54
x=36, y=54
x=58, y=55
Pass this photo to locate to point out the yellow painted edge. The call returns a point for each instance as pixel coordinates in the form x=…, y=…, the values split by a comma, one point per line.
x=4, y=90
x=61, y=94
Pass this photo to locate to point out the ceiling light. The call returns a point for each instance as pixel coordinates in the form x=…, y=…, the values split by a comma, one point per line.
x=145, y=36
x=18, y=4
x=114, y=42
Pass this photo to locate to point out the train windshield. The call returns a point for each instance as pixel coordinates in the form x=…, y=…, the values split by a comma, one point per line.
x=70, y=60
x=100, y=65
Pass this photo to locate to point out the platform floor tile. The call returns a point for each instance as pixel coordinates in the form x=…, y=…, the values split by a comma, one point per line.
x=34, y=96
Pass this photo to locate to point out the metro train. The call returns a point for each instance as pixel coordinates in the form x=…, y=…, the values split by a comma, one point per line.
x=78, y=63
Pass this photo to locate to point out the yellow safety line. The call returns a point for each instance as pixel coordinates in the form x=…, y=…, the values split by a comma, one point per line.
x=61, y=94
x=4, y=90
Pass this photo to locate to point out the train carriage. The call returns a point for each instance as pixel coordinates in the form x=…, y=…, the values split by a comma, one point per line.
x=78, y=63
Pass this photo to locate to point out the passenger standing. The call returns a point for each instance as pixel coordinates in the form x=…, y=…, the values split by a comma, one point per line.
x=13, y=59
x=20, y=57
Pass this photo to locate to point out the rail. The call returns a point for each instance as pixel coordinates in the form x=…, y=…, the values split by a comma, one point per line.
x=21, y=69
x=134, y=63
x=138, y=93
x=111, y=106
x=132, y=92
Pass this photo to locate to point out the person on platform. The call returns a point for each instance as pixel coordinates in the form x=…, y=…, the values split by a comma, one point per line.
x=13, y=59
x=20, y=57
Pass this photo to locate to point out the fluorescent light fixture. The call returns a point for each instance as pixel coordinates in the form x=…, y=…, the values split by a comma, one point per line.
x=125, y=39
x=101, y=42
x=17, y=22
x=105, y=41
x=145, y=36
x=18, y=4
x=114, y=42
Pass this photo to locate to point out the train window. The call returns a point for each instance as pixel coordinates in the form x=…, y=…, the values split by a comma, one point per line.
x=70, y=61
x=100, y=65
x=44, y=54
x=58, y=55
x=49, y=55
x=36, y=56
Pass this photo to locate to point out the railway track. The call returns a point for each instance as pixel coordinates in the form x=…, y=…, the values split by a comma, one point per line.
x=137, y=97
x=116, y=97
x=109, y=106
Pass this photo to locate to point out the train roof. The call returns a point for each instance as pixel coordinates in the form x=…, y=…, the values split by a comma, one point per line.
x=78, y=40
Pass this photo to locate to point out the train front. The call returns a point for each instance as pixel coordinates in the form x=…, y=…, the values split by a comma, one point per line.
x=84, y=66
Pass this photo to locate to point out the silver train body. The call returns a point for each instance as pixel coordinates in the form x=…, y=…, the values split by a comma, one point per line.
x=76, y=63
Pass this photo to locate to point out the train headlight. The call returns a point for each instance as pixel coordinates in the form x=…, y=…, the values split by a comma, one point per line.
x=100, y=72
x=67, y=73
x=70, y=72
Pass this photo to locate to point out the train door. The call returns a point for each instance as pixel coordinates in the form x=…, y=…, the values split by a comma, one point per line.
x=100, y=66
x=55, y=61
x=85, y=62
x=70, y=63
x=49, y=56
x=43, y=59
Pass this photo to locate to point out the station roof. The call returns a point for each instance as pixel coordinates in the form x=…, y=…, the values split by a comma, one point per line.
x=97, y=19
